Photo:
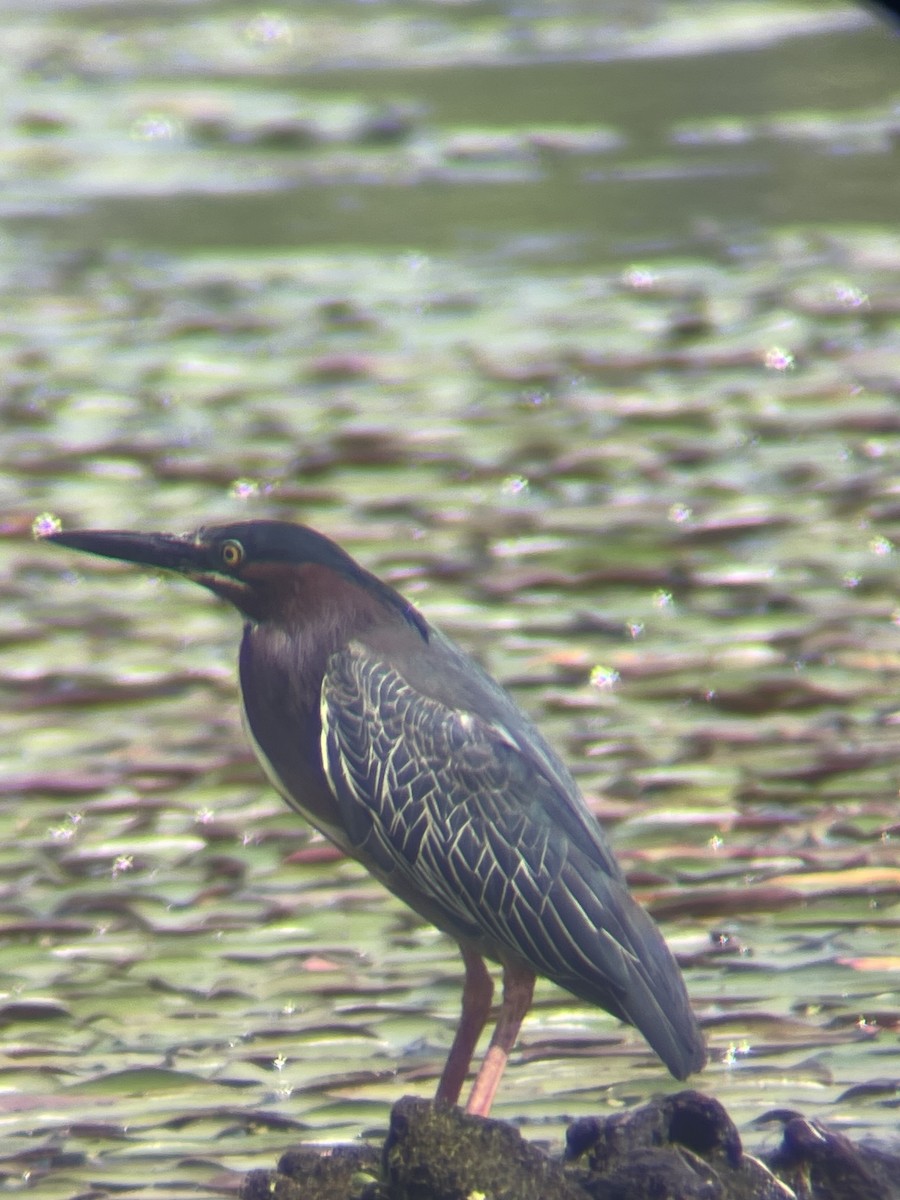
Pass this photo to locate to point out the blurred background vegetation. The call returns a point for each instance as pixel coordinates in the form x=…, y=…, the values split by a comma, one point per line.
x=579, y=323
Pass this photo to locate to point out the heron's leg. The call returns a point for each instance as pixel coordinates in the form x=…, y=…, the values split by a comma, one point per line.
x=518, y=989
x=478, y=991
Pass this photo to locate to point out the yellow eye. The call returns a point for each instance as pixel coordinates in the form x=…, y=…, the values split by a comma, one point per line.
x=232, y=554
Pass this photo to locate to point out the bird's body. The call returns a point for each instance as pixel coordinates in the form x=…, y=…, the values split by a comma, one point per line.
x=404, y=753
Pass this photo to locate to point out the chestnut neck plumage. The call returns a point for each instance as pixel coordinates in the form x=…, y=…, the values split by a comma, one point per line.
x=283, y=659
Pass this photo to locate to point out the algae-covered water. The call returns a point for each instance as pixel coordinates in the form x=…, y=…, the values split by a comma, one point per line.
x=581, y=325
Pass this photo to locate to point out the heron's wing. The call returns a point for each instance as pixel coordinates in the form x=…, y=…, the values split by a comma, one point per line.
x=461, y=683
x=451, y=808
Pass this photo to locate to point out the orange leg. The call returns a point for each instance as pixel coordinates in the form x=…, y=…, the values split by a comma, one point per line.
x=478, y=990
x=518, y=989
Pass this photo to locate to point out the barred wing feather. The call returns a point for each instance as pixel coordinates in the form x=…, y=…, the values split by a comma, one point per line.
x=449, y=806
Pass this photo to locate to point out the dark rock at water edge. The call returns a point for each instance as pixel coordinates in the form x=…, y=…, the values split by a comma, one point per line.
x=679, y=1147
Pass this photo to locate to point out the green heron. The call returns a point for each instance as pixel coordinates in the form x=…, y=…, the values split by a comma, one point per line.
x=411, y=759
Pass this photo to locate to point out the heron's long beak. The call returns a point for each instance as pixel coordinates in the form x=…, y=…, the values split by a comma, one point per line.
x=165, y=551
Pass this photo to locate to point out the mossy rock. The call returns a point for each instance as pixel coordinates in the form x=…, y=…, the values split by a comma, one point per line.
x=680, y=1147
